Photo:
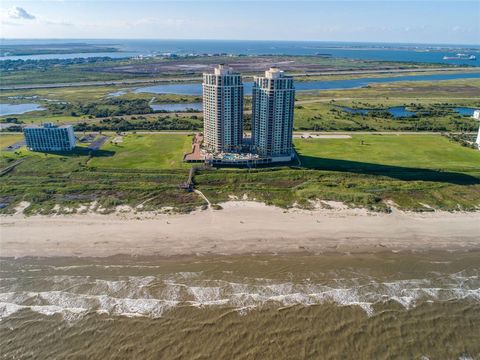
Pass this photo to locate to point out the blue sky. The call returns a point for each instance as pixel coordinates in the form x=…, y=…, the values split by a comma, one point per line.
x=440, y=21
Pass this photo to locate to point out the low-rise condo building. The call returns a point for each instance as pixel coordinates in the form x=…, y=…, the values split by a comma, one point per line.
x=273, y=100
x=223, y=110
x=49, y=137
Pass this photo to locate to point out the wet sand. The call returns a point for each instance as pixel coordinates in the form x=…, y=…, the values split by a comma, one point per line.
x=242, y=227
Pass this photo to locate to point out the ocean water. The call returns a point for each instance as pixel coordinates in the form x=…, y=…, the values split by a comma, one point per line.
x=271, y=307
x=422, y=53
x=196, y=88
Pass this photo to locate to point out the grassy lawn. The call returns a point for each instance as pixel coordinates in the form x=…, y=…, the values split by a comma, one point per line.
x=9, y=139
x=146, y=152
x=409, y=151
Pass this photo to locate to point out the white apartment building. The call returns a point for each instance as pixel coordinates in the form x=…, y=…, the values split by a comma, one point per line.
x=273, y=101
x=49, y=137
x=223, y=110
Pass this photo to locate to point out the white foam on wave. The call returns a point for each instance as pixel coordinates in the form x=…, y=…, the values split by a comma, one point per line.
x=152, y=296
x=190, y=274
x=7, y=309
x=206, y=295
x=72, y=306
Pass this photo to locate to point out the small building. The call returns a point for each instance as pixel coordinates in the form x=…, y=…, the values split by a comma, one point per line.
x=49, y=137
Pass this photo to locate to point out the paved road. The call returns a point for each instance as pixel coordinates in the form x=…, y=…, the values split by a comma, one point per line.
x=10, y=167
x=97, y=144
x=128, y=82
x=15, y=146
x=295, y=132
x=315, y=132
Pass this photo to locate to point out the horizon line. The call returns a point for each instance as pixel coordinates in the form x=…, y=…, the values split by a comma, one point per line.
x=253, y=40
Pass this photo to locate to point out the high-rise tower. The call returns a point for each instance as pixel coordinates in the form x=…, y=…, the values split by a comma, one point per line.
x=223, y=110
x=273, y=100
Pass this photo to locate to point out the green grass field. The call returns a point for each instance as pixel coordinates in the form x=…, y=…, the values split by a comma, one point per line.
x=408, y=151
x=9, y=139
x=146, y=152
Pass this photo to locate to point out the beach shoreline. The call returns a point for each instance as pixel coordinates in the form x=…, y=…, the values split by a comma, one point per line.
x=241, y=227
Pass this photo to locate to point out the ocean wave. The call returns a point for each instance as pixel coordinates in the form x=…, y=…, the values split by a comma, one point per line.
x=75, y=296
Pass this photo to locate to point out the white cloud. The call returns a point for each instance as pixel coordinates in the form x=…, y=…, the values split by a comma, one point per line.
x=154, y=21
x=9, y=23
x=19, y=13
x=56, y=23
x=462, y=29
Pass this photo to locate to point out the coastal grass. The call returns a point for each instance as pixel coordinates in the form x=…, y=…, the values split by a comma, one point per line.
x=39, y=117
x=287, y=187
x=88, y=94
x=448, y=89
x=67, y=182
x=63, y=74
x=414, y=172
x=391, y=74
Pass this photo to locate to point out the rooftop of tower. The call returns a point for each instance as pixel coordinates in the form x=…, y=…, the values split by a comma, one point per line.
x=222, y=69
x=274, y=73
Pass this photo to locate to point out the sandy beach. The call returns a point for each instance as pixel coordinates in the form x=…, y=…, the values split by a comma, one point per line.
x=240, y=227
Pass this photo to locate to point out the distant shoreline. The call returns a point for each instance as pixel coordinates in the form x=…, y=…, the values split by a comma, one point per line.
x=242, y=227
x=196, y=78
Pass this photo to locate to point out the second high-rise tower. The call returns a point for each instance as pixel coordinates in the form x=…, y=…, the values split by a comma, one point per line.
x=273, y=100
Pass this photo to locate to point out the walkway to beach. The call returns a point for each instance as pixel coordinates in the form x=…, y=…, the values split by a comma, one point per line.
x=195, y=155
